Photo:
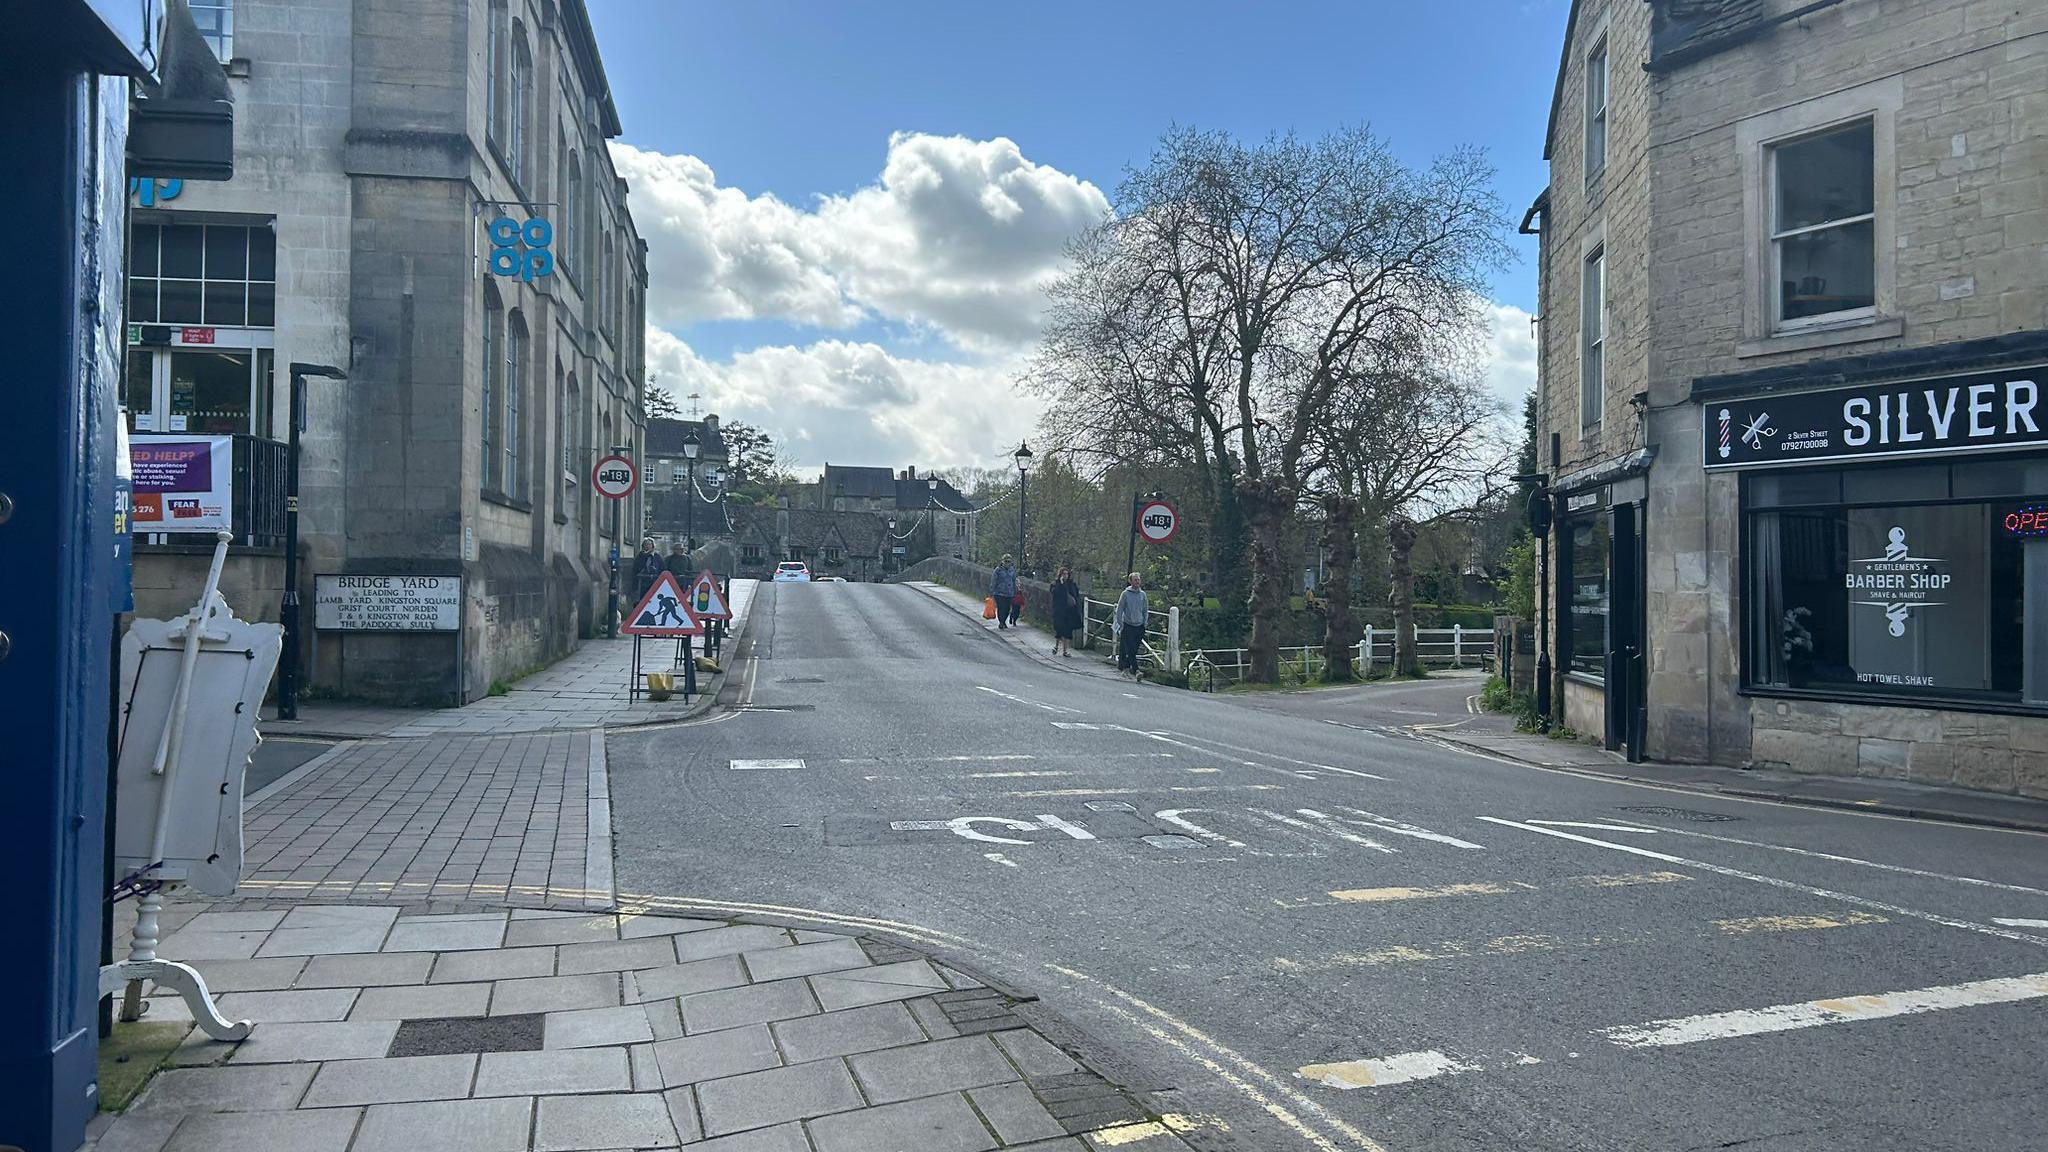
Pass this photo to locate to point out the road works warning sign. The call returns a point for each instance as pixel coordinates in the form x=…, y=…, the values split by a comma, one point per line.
x=662, y=612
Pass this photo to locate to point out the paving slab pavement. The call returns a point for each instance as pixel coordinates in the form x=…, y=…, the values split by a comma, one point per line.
x=586, y=689
x=778, y=1060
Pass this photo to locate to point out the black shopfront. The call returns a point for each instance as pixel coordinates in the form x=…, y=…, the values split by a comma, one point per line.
x=1600, y=594
x=1893, y=544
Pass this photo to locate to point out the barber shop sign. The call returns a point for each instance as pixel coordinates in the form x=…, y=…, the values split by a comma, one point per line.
x=1980, y=410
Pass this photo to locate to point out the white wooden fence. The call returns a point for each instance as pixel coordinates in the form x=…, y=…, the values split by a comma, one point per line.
x=1452, y=647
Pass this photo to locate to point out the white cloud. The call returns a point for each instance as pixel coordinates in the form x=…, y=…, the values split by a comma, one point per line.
x=956, y=236
x=1510, y=356
x=856, y=403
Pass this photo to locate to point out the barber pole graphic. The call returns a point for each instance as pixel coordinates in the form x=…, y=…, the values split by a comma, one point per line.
x=1725, y=427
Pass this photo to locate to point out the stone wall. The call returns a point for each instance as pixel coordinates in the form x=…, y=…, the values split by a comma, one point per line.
x=973, y=579
x=251, y=581
x=1959, y=90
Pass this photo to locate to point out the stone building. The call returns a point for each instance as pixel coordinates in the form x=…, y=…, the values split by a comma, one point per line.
x=386, y=152
x=1795, y=323
x=942, y=517
x=685, y=498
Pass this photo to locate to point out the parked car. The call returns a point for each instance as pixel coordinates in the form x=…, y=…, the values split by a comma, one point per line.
x=792, y=572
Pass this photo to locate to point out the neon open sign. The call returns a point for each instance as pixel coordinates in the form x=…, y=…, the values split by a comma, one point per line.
x=2027, y=522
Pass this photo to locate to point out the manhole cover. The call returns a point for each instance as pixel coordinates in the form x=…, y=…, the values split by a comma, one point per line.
x=1692, y=814
x=1172, y=842
x=453, y=1035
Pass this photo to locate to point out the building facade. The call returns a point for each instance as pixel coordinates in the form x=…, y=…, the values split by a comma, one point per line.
x=934, y=517
x=1791, y=385
x=391, y=160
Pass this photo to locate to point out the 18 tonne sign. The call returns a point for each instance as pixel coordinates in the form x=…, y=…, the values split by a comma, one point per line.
x=1981, y=410
x=613, y=477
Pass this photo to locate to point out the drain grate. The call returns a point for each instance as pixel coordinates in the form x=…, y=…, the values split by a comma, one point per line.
x=454, y=1035
x=1692, y=814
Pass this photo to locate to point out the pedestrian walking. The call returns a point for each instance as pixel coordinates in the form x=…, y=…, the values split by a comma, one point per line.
x=679, y=563
x=1130, y=625
x=1002, y=588
x=1066, y=611
x=646, y=567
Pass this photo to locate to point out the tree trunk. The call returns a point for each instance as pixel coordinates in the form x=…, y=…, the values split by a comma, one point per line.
x=1400, y=542
x=1226, y=534
x=1340, y=556
x=1266, y=511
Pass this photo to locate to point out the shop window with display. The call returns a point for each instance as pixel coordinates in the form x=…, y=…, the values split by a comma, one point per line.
x=1588, y=549
x=1902, y=583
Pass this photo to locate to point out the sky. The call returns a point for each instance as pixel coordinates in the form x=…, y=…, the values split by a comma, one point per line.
x=851, y=208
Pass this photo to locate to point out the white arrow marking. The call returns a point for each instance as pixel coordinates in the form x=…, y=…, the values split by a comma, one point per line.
x=1030, y=703
x=1330, y=827
x=2017, y=922
x=964, y=826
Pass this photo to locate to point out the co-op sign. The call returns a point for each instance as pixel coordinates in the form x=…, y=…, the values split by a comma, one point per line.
x=1979, y=410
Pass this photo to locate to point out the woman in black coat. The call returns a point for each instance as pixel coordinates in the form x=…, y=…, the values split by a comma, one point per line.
x=1066, y=611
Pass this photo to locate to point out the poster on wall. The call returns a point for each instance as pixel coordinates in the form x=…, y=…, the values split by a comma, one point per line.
x=182, y=483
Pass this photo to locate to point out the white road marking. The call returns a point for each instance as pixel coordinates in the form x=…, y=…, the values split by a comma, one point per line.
x=1357, y=728
x=1385, y=895
x=1329, y=829
x=1899, y=868
x=1009, y=775
x=1173, y=816
x=1837, y=1010
x=1399, y=828
x=964, y=826
x=1775, y=882
x=765, y=765
x=1044, y=792
x=2013, y=922
x=1595, y=827
x=1349, y=771
x=1386, y=1070
x=1069, y=725
x=1059, y=825
x=1030, y=703
x=1005, y=756
x=999, y=858
x=920, y=825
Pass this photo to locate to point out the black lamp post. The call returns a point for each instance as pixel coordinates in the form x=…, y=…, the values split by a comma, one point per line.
x=690, y=450
x=288, y=671
x=931, y=485
x=1024, y=462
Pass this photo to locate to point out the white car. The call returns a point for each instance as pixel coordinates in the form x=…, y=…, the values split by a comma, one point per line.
x=792, y=572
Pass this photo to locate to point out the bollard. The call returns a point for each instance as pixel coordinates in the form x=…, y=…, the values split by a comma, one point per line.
x=1173, y=637
x=1458, y=645
x=1365, y=646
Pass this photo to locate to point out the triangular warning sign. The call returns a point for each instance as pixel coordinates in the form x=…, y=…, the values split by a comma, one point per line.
x=662, y=612
x=706, y=602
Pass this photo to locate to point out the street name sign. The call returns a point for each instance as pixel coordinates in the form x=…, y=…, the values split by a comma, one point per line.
x=387, y=603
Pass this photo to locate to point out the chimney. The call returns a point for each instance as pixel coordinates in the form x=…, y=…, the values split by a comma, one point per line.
x=910, y=472
x=782, y=527
x=711, y=422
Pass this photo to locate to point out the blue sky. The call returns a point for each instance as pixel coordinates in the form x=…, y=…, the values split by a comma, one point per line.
x=743, y=115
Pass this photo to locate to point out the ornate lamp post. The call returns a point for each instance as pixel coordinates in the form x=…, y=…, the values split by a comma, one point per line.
x=1024, y=462
x=690, y=449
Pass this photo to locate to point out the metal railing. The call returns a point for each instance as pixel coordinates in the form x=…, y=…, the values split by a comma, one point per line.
x=259, y=490
x=1453, y=647
x=1161, y=646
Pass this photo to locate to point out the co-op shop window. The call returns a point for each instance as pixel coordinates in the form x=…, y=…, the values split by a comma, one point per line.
x=1903, y=582
x=218, y=275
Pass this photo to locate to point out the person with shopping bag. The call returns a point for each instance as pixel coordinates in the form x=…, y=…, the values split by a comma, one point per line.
x=1002, y=588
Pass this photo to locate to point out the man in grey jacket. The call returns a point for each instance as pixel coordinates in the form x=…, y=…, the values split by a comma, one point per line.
x=1130, y=625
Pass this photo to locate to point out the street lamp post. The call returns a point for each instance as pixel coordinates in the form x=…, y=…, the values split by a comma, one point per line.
x=288, y=671
x=1131, y=552
x=1024, y=462
x=690, y=450
x=611, y=593
x=931, y=501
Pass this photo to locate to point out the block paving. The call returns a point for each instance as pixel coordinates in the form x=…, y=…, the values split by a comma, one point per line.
x=455, y=1026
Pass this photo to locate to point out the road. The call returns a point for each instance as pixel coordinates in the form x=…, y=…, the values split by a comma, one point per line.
x=1343, y=935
